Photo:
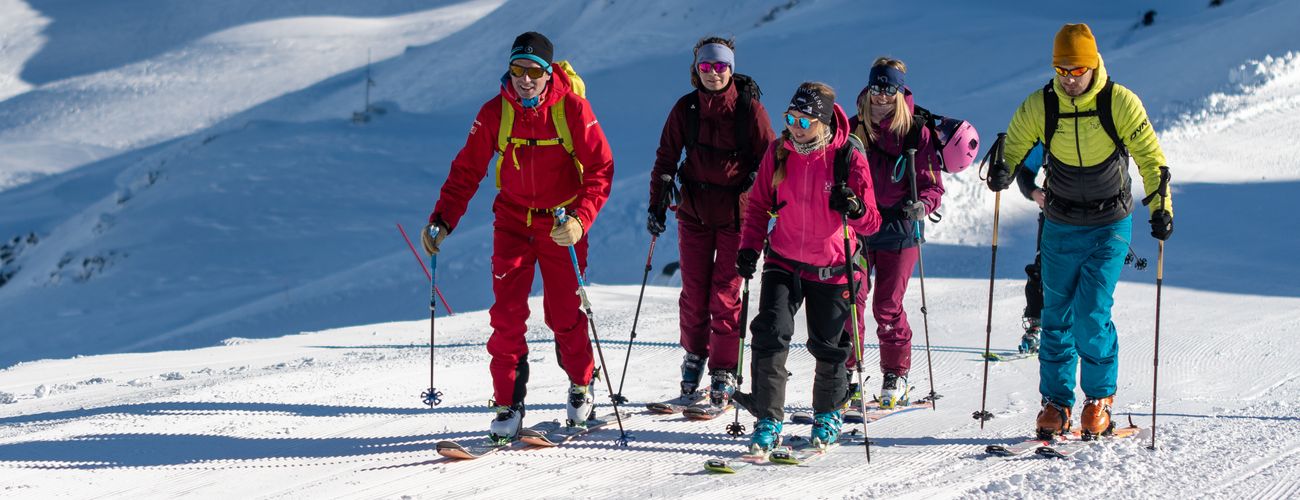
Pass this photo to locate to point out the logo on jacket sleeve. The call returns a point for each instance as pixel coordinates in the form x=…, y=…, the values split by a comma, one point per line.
x=473, y=128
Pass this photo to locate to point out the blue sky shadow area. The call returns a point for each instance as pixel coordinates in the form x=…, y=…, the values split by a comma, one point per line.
x=88, y=37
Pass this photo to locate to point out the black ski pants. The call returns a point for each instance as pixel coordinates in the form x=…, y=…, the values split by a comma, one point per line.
x=828, y=308
x=1034, y=285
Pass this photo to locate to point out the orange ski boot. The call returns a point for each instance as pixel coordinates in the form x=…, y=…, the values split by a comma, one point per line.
x=1095, y=420
x=1053, y=420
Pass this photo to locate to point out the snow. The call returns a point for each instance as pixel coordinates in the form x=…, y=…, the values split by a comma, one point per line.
x=182, y=194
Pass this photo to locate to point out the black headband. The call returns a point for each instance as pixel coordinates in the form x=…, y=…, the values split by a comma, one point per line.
x=812, y=103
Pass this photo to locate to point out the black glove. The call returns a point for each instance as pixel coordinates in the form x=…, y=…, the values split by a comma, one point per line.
x=844, y=201
x=999, y=176
x=748, y=181
x=746, y=263
x=914, y=210
x=655, y=222
x=1162, y=225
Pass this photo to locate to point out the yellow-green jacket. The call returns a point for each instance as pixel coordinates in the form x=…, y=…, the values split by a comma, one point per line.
x=1081, y=147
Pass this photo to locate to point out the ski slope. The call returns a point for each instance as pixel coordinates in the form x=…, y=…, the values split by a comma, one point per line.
x=337, y=414
x=181, y=200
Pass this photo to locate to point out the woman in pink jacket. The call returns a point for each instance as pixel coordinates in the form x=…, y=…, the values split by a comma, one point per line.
x=800, y=184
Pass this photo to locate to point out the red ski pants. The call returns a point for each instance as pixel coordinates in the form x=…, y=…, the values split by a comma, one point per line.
x=516, y=248
x=710, y=301
x=892, y=270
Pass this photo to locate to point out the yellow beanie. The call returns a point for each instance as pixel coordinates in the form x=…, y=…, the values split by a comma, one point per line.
x=1075, y=46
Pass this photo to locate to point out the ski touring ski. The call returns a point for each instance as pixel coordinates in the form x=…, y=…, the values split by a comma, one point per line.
x=677, y=404
x=800, y=450
x=558, y=434
x=1068, y=447
x=705, y=411
x=853, y=415
x=1015, y=356
x=484, y=446
x=739, y=462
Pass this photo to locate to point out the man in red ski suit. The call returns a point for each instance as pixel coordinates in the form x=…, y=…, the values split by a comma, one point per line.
x=534, y=179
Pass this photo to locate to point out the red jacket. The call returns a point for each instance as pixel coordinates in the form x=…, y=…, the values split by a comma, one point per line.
x=545, y=176
x=711, y=161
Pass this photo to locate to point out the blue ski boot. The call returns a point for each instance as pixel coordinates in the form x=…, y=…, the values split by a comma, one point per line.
x=767, y=436
x=826, y=429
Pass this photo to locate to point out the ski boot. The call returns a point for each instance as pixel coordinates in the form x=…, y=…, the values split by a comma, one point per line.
x=722, y=386
x=505, y=426
x=1095, y=420
x=1053, y=420
x=894, y=391
x=854, y=401
x=1029, y=342
x=766, y=437
x=826, y=429
x=692, y=372
x=581, y=405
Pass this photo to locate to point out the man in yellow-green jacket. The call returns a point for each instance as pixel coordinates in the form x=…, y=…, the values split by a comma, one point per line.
x=1090, y=127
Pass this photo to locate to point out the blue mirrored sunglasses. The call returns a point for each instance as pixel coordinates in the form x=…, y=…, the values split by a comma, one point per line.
x=803, y=122
x=887, y=90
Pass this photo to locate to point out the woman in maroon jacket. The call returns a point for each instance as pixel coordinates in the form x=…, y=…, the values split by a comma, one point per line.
x=886, y=126
x=724, y=130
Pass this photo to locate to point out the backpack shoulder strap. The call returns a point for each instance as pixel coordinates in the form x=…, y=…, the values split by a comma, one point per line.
x=692, y=119
x=1105, y=100
x=1051, y=108
x=503, y=135
x=845, y=155
x=566, y=138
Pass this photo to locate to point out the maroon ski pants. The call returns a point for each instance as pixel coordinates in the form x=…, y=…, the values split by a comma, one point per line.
x=892, y=269
x=710, y=300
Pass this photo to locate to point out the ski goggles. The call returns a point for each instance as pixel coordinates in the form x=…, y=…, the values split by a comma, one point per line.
x=518, y=71
x=713, y=67
x=1076, y=72
x=803, y=122
x=889, y=90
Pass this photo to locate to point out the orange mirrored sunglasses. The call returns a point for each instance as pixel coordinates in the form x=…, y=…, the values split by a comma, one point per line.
x=1076, y=72
x=533, y=73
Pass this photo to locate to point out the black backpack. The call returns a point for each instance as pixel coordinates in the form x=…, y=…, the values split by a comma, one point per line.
x=748, y=91
x=1052, y=116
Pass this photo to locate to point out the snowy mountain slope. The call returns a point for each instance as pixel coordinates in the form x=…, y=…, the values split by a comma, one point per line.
x=107, y=79
x=291, y=226
x=337, y=414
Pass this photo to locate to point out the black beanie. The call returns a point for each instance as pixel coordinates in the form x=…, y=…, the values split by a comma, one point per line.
x=534, y=46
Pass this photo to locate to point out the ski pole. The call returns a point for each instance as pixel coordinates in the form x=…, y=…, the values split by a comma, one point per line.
x=433, y=396
x=635, y=318
x=427, y=274
x=984, y=415
x=668, y=180
x=920, y=262
x=1163, y=189
x=561, y=218
x=853, y=317
x=735, y=428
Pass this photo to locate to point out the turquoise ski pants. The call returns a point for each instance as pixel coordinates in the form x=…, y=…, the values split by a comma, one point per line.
x=1081, y=265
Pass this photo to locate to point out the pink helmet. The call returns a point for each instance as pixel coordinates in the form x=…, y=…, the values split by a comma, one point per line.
x=960, y=144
